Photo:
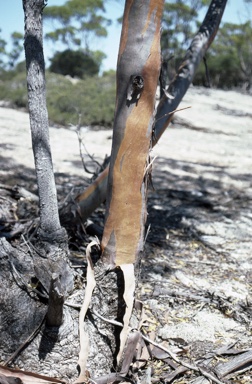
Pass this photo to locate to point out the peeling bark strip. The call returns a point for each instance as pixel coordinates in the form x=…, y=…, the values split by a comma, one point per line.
x=138, y=71
x=84, y=338
x=33, y=44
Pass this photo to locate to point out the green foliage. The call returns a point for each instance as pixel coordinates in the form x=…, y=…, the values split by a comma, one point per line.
x=91, y=100
x=20, y=67
x=179, y=25
x=230, y=57
x=2, y=50
x=223, y=70
x=10, y=59
x=77, y=22
x=17, y=48
x=74, y=63
x=13, y=88
x=236, y=40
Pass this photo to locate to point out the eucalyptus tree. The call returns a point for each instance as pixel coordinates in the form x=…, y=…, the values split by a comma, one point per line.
x=234, y=45
x=137, y=127
x=77, y=22
x=17, y=48
x=74, y=26
x=2, y=49
x=179, y=24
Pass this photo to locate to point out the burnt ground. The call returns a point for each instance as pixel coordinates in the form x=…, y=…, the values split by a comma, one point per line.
x=195, y=282
x=196, y=276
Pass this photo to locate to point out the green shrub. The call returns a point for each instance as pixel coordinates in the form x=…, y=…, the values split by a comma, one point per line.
x=13, y=89
x=90, y=101
x=224, y=71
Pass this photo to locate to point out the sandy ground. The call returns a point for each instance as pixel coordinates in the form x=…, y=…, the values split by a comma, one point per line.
x=203, y=160
x=16, y=144
x=224, y=116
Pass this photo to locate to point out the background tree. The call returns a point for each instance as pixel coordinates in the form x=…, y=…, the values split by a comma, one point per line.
x=179, y=24
x=75, y=25
x=237, y=40
x=74, y=63
x=229, y=59
x=2, y=50
x=77, y=22
x=17, y=48
x=9, y=58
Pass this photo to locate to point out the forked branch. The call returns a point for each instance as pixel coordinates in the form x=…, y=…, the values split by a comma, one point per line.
x=95, y=194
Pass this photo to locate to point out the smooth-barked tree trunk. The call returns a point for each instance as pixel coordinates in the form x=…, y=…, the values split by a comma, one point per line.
x=138, y=70
x=95, y=194
x=49, y=218
x=52, y=270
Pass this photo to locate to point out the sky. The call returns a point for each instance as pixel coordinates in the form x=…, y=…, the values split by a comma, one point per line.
x=11, y=19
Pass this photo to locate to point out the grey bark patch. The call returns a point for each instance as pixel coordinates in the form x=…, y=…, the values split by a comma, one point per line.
x=17, y=322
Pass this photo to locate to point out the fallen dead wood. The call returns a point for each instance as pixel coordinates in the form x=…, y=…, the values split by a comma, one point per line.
x=195, y=368
x=10, y=376
x=239, y=363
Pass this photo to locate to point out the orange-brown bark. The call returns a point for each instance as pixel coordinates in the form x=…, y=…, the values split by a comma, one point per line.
x=123, y=232
x=179, y=86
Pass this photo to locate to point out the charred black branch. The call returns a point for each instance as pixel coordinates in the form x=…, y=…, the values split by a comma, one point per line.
x=54, y=315
x=208, y=85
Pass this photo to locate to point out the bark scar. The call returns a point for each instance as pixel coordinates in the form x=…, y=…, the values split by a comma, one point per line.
x=135, y=89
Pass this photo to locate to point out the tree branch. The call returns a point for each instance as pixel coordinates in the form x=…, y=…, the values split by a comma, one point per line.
x=95, y=194
x=184, y=77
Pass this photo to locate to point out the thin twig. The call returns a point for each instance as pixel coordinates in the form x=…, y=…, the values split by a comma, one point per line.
x=25, y=286
x=209, y=376
x=189, y=366
x=81, y=154
x=170, y=113
x=31, y=247
x=170, y=353
x=6, y=199
x=113, y=322
x=26, y=243
x=149, y=166
x=147, y=233
x=72, y=305
x=15, y=221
